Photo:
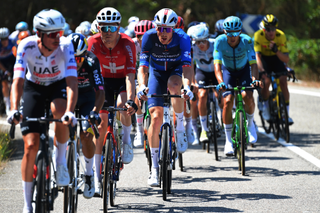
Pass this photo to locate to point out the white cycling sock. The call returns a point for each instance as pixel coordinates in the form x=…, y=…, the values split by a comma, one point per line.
x=60, y=154
x=179, y=119
x=97, y=161
x=7, y=101
x=188, y=123
x=203, y=121
x=126, y=136
x=250, y=119
x=139, y=119
x=27, y=193
x=155, y=157
x=228, y=130
x=194, y=125
x=89, y=164
x=288, y=110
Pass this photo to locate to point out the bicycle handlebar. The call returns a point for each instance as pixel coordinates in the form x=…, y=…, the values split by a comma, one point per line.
x=172, y=96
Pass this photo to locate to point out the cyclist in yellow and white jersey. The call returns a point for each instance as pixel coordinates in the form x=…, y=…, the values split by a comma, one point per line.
x=270, y=45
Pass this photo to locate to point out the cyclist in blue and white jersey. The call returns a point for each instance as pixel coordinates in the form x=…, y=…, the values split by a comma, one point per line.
x=169, y=55
x=202, y=54
x=52, y=75
x=218, y=28
x=233, y=55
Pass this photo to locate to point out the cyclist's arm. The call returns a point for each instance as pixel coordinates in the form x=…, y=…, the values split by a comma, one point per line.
x=143, y=73
x=218, y=72
x=259, y=62
x=217, y=55
x=254, y=72
x=143, y=70
x=188, y=73
x=282, y=52
x=98, y=85
x=2, y=67
x=16, y=92
x=130, y=86
x=284, y=57
x=72, y=93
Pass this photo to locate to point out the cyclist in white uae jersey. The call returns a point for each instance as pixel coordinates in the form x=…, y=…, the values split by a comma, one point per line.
x=52, y=75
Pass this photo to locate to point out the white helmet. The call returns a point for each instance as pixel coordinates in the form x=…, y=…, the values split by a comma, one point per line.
x=198, y=32
x=82, y=30
x=166, y=18
x=49, y=20
x=108, y=15
x=4, y=32
x=94, y=27
x=261, y=25
x=133, y=19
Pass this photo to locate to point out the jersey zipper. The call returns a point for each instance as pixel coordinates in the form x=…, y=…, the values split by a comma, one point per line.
x=111, y=63
x=234, y=59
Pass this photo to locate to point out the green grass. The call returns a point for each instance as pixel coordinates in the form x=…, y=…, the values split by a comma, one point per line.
x=5, y=146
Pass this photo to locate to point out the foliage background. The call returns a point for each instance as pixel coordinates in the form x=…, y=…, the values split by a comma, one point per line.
x=299, y=19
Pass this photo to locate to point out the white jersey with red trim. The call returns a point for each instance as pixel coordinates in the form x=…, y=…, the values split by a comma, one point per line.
x=44, y=70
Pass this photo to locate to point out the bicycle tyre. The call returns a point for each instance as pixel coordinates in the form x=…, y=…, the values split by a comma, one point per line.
x=107, y=172
x=115, y=171
x=243, y=142
x=274, y=112
x=164, y=161
x=284, y=123
x=180, y=162
x=69, y=199
x=213, y=129
x=146, y=143
x=39, y=189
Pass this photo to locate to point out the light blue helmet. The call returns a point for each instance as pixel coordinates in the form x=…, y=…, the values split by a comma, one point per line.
x=232, y=23
x=22, y=26
x=198, y=32
x=219, y=26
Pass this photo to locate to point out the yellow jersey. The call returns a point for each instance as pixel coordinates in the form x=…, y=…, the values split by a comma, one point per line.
x=261, y=44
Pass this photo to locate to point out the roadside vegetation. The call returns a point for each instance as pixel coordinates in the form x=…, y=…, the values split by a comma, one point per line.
x=5, y=147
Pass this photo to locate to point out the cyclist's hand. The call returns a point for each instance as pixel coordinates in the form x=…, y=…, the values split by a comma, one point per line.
x=257, y=83
x=131, y=107
x=12, y=117
x=187, y=93
x=69, y=118
x=195, y=88
x=222, y=86
x=94, y=118
x=142, y=93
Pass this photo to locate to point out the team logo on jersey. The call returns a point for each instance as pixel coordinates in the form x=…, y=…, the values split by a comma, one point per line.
x=130, y=53
x=29, y=47
x=204, y=61
x=53, y=62
x=46, y=72
x=187, y=54
x=249, y=41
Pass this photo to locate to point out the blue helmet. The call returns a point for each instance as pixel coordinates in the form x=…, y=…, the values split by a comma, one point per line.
x=232, y=23
x=219, y=26
x=79, y=42
x=198, y=32
x=22, y=26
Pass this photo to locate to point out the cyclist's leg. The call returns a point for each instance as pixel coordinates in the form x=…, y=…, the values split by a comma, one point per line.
x=228, y=79
x=138, y=139
x=6, y=65
x=194, y=112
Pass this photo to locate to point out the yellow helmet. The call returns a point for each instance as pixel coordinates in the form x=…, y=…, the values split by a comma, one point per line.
x=270, y=20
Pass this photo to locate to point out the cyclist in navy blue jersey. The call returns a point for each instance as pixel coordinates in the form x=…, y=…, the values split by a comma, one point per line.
x=169, y=53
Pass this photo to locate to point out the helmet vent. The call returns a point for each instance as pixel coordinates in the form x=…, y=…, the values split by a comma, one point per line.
x=172, y=20
x=164, y=18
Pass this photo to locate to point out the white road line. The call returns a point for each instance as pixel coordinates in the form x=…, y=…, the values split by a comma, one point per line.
x=293, y=148
x=304, y=92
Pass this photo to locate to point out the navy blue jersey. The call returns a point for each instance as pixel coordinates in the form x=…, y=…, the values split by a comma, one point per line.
x=165, y=57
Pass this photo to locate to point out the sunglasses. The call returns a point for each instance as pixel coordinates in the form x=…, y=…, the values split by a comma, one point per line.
x=79, y=59
x=233, y=34
x=55, y=34
x=201, y=42
x=270, y=29
x=167, y=29
x=112, y=29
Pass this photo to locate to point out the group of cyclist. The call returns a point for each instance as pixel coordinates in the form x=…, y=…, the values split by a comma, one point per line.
x=91, y=70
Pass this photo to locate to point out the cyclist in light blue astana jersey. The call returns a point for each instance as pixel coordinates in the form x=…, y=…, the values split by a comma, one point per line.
x=233, y=54
x=202, y=54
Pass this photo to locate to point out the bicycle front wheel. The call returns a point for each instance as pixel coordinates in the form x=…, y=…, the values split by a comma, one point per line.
x=164, y=161
x=212, y=128
x=283, y=118
x=107, y=172
x=70, y=201
x=39, y=190
x=243, y=142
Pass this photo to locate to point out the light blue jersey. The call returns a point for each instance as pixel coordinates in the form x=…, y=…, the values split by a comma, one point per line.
x=234, y=59
x=204, y=59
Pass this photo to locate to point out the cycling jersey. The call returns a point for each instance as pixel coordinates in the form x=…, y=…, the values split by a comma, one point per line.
x=6, y=51
x=44, y=70
x=89, y=75
x=165, y=57
x=204, y=59
x=138, y=50
x=236, y=58
x=261, y=44
x=116, y=62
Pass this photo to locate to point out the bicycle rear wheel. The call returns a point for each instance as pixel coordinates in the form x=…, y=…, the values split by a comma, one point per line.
x=146, y=143
x=116, y=164
x=107, y=172
x=243, y=142
x=70, y=199
x=164, y=161
x=283, y=119
x=39, y=187
x=213, y=130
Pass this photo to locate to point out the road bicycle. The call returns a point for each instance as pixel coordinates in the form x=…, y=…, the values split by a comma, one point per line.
x=278, y=122
x=111, y=160
x=168, y=152
x=70, y=201
x=44, y=189
x=212, y=123
x=239, y=134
